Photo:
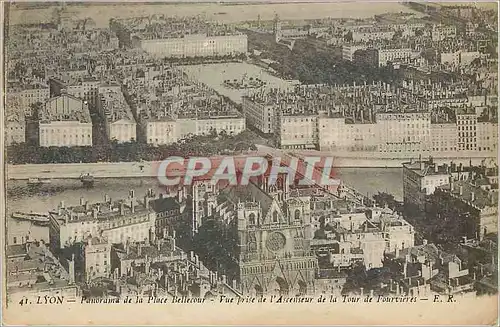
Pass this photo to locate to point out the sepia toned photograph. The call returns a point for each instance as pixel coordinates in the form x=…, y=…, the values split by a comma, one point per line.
x=250, y=163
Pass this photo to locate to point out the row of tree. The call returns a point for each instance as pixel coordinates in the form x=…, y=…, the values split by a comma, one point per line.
x=197, y=145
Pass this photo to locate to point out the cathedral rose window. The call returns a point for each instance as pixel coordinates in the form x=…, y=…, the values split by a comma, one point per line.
x=276, y=241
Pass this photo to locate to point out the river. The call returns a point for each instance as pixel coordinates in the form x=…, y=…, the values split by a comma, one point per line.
x=20, y=197
x=226, y=13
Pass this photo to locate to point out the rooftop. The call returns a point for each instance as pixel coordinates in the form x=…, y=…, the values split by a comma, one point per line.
x=72, y=109
x=472, y=194
x=114, y=105
x=105, y=211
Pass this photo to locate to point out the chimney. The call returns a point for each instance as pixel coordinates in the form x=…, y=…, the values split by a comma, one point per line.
x=139, y=249
x=224, y=279
x=472, y=197
x=61, y=205
x=106, y=198
x=132, y=205
x=152, y=235
x=397, y=251
x=94, y=213
x=147, y=265
x=146, y=202
x=179, y=195
x=82, y=201
x=72, y=269
x=361, y=291
x=122, y=209
x=461, y=190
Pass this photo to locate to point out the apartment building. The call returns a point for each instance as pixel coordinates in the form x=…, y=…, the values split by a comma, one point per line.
x=441, y=32
x=372, y=34
x=15, y=128
x=29, y=94
x=331, y=133
x=361, y=239
x=65, y=121
x=481, y=206
x=443, y=137
x=196, y=46
x=487, y=137
x=335, y=134
x=28, y=275
x=459, y=58
x=298, y=131
x=116, y=221
x=85, y=88
x=404, y=132
x=161, y=130
x=165, y=130
x=467, y=129
x=97, y=258
x=259, y=114
x=391, y=55
x=118, y=118
x=420, y=179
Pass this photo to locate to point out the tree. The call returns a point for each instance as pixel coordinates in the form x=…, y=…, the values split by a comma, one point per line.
x=397, y=35
x=348, y=37
x=382, y=199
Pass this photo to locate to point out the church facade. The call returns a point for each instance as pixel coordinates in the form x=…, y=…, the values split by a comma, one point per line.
x=273, y=230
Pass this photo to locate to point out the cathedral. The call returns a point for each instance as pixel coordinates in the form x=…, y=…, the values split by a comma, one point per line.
x=271, y=227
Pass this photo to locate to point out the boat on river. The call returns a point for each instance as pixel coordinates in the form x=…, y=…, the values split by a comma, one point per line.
x=38, y=181
x=87, y=179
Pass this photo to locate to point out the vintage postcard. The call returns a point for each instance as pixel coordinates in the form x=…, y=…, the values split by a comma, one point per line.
x=250, y=163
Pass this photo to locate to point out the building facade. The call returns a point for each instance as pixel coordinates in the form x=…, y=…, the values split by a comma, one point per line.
x=118, y=118
x=444, y=137
x=298, y=132
x=116, y=221
x=15, y=128
x=197, y=46
x=97, y=258
x=65, y=121
x=421, y=179
x=260, y=115
x=404, y=132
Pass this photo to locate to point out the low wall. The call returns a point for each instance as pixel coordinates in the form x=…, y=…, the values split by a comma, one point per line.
x=148, y=169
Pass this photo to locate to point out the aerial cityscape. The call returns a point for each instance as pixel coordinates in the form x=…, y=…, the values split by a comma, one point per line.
x=404, y=99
